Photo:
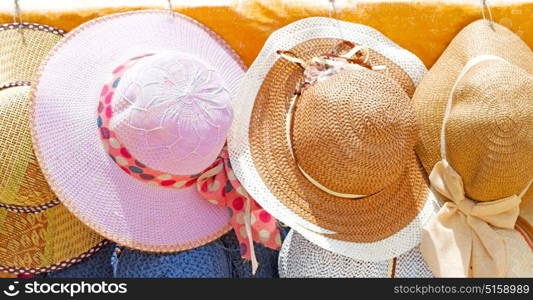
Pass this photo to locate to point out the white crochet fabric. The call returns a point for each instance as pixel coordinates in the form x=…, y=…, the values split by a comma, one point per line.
x=239, y=148
x=300, y=258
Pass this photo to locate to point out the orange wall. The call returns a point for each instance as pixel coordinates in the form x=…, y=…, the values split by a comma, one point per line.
x=423, y=27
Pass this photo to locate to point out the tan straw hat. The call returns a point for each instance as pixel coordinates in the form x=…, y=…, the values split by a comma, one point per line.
x=23, y=47
x=476, y=116
x=324, y=139
x=37, y=233
x=489, y=134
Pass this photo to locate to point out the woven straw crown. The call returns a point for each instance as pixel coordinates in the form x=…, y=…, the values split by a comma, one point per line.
x=23, y=46
x=279, y=142
x=37, y=234
x=489, y=134
x=367, y=131
x=22, y=182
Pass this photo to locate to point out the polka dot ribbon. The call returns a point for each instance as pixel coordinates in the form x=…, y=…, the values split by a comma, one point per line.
x=250, y=221
x=217, y=184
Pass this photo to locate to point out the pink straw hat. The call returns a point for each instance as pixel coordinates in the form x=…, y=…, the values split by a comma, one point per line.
x=127, y=111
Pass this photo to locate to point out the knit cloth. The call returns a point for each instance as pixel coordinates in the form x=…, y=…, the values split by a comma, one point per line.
x=267, y=258
x=219, y=259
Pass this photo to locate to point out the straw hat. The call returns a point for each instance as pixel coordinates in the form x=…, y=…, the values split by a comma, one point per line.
x=350, y=182
x=299, y=258
x=23, y=47
x=123, y=150
x=476, y=117
x=489, y=134
x=37, y=234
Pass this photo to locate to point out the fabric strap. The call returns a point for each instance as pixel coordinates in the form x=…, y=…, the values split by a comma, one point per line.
x=461, y=241
x=219, y=185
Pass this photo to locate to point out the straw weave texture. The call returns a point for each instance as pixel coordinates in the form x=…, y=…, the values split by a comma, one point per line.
x=282, y=194
x=489, y=135
x=22, y=50
x=37, y=234
x=22, y=182
x=299, y=258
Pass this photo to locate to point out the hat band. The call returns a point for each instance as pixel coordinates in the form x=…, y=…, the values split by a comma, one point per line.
x=33, y=26
x=329, y=60
x=30, y=209
x=14, y=84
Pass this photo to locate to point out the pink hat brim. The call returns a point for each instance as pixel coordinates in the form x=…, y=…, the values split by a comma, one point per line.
x=69, y=149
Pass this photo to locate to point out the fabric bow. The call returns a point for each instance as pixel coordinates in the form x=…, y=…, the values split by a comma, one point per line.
x=461, y=241
x=250, y=221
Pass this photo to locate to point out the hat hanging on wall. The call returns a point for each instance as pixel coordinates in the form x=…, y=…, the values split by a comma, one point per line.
x=323, y=138
x=37, y=233
x=124, y=150
x=476, y=142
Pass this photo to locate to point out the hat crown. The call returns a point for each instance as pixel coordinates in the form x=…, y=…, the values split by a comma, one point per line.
x=22, y=182
x=489, y=133
x=172, y=111
x=354, y=132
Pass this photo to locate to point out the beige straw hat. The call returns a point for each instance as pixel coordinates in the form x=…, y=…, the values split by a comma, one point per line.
x=334, y=160
x=489, y=134
x=476, y=143
x=37, y=233
x=23, y=47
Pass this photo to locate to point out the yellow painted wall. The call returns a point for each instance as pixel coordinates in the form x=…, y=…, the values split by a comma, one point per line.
x=423, y=27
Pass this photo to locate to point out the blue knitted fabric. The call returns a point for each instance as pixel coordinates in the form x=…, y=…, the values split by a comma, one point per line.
x=219, y=259
x=209, y=261
x=267, y=258
x=96, y=266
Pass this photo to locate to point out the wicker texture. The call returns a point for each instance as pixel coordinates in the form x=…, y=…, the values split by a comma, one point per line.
x=370, y=228
x=489, y=135
x=367, y=134
x=219, y=259
x=31, y=243
x=208, y=261
x=22, y=50
x=38, y=233
x=22, y=183
x=121, y=208
x=299, y=258
x=363, y=144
